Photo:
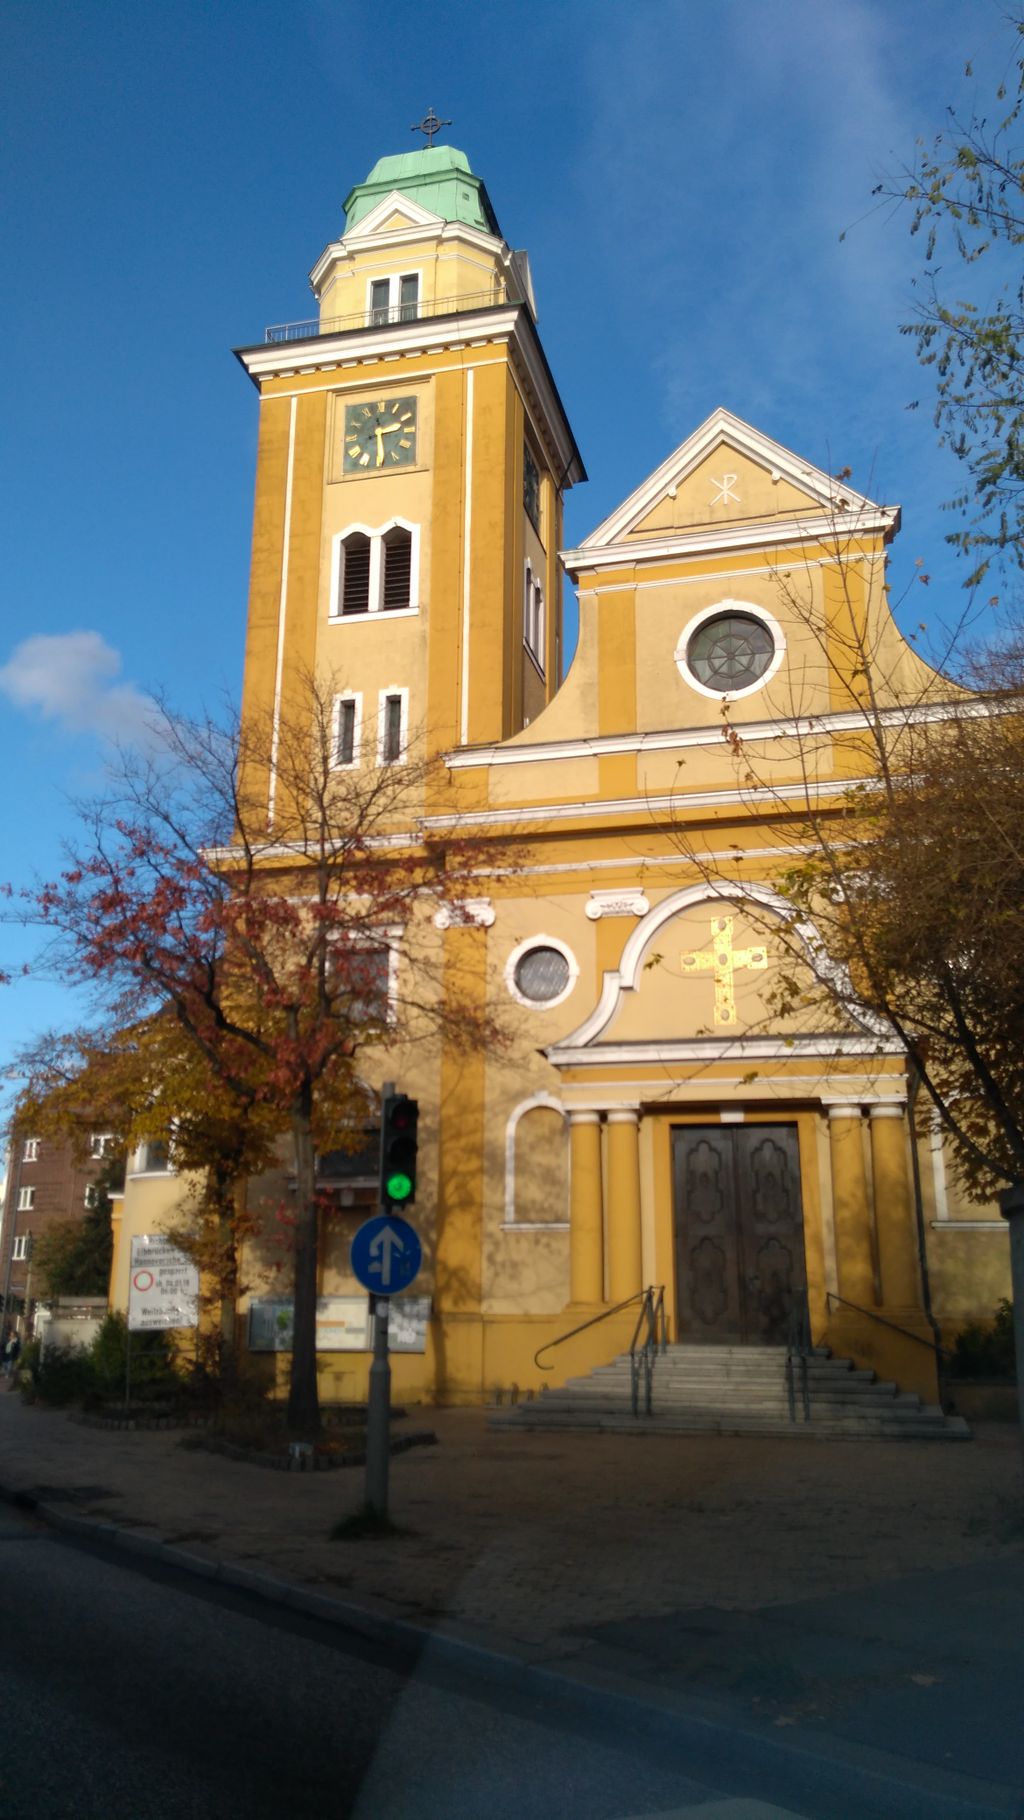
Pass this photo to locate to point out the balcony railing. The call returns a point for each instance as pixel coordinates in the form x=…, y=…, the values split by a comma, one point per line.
x=398, y=312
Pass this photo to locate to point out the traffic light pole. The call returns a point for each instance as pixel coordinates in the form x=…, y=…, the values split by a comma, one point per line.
x=378, y=1411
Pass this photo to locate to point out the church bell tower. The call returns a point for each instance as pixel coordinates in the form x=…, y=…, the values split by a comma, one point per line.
x=413, y=456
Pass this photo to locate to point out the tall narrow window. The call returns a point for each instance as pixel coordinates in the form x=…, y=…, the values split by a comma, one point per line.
x=533, y=618
x=380, y=297
x=26, y=1200
x=355, y=574
x=410, y=297
x=345, y=752
x=397, y=568
x=20, y=1250
x=30, y=1154
x=391, y=742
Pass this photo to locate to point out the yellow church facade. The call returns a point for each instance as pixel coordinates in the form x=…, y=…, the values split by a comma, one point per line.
x=651, y=1119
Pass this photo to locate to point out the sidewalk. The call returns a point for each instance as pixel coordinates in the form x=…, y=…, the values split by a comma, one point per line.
x=867, y=1594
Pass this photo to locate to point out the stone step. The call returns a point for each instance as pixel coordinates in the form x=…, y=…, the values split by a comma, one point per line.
x=527, y=1416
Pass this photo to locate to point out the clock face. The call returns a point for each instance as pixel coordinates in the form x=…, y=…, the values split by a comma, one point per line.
x=380, y=434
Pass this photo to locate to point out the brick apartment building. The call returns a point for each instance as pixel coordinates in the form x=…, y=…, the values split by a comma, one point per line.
x=46, y=1181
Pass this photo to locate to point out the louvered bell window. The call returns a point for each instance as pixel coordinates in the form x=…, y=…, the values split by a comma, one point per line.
x=355, y=580
x=397, y=569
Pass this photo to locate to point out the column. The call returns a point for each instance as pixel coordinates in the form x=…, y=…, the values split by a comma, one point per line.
x=625, y=1256
x=894, y=1224
x=586, y=1241
x=850, y=1206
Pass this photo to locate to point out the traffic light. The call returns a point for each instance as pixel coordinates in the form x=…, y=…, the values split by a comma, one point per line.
x=399, y=1117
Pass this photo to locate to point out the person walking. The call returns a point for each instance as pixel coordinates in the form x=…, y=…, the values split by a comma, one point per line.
x=12, y=1353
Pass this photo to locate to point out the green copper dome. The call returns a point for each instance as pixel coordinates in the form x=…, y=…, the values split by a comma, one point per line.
x=437, y=177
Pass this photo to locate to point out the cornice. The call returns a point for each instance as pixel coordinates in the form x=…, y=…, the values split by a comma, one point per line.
x=508, y=324
x=760, y=534
x=712, y=1049
x=672, y=739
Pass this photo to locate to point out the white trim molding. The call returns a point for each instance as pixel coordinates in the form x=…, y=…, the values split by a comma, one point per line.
x=615, y=903
x=530, y=1105
x=465, y=913
x=527, y=947
x=519, y=751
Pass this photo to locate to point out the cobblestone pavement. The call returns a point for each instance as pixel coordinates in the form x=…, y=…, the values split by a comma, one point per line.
x=537, y=1537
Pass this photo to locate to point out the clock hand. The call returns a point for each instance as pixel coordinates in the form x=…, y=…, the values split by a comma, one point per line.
x=380, y=445
x=389, y=429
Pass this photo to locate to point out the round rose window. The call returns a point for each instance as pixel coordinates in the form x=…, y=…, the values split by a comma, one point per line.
x=730, y=652
x=541, y=974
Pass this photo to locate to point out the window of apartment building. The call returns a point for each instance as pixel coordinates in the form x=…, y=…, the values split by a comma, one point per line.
x=101, y=1144
x=375, y=571
x=533, y=618
x=395, y=299
x=92, y=1194
x=392, y=727
x=26, y=1200
x=20, y=1248
x=154, y=1158
x=30, y=1154
x=348, y=715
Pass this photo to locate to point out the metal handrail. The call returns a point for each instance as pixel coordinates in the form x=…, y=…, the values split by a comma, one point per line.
x=932, y=1345
x=594, y=1321
x=643, y=1358
x=392, y=313
x=798, y=1346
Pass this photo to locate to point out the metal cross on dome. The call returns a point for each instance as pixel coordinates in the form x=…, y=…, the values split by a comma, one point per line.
x=430, y=125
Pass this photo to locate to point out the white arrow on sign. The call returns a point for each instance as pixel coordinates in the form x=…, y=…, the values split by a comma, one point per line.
x=382, y=1247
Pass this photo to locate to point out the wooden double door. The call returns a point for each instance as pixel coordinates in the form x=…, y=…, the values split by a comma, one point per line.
x=738, y=1232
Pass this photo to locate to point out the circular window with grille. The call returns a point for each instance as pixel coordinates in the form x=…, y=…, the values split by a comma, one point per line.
x=730, y=650
x=541, y=973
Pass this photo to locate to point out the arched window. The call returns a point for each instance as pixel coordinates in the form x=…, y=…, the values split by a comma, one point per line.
x=397, y=567
x=355, y=573
x=375, y=570
x=537, y=1165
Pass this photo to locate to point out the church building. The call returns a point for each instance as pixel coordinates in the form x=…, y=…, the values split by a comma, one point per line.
x=652, y=1120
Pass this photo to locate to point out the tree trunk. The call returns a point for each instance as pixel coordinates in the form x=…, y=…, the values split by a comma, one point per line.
x=230, y=1202
x=303, y=1398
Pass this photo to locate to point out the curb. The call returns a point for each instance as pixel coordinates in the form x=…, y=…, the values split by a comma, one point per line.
x=837, y=1767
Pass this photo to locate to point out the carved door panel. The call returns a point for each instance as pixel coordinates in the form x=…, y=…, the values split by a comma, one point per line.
x=767, y=1175
x=707, y=1235
x=739, y=1232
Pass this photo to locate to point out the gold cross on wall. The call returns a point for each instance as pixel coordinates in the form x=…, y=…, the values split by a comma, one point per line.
x=723, y=960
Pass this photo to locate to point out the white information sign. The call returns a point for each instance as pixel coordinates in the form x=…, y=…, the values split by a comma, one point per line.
x=163, y=1289
x=407, y=1326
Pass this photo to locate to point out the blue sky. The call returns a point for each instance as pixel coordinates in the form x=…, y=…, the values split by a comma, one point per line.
x=681, y=174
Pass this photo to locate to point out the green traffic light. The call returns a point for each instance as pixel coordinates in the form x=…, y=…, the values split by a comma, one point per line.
x=399, y=1187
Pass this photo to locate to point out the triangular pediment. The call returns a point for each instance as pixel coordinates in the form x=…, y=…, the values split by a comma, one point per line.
x=727, y=473
x=394, y=213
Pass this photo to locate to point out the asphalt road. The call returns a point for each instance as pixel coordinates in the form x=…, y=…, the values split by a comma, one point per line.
x=132, y=1690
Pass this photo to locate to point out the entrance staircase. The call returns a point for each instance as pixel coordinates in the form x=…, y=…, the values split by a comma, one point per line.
x=740, y=1390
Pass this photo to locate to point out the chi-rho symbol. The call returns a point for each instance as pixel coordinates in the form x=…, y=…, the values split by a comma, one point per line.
x=723, y=960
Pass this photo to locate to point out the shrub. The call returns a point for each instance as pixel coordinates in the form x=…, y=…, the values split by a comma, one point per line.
x=152, y=1362
x=985, y=1349
x=61, y=1375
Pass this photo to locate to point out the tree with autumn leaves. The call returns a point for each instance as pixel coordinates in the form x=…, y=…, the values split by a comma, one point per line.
x=238, y=888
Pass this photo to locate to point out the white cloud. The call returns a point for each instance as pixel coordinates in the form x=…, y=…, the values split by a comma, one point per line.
x=71, y=678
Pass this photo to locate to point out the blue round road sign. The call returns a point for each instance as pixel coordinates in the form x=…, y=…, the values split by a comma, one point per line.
x=386, y=1254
